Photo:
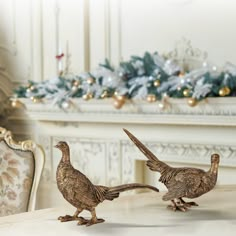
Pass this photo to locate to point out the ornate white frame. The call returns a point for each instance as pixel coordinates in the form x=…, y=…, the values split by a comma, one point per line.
x=39, y=157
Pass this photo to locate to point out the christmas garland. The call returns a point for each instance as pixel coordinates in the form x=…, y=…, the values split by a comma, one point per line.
x=151, y=77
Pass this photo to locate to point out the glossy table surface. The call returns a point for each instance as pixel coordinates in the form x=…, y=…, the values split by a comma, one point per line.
x=137, y=214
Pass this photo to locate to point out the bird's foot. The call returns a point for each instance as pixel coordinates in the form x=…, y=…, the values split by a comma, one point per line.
x=67, y=218
x=82, y=221
x=190, y=204
x=92, y=222
x=182, y=208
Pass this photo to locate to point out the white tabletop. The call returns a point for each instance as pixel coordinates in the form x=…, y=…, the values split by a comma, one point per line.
x=138, y=214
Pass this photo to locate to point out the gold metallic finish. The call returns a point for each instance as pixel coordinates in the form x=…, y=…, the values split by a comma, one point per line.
x=192, y=102
x=90, y=80
x=79, y=191
x=222, y=92
x=76, y=83
x=227, y=90
x=186, y=92
x=157, y=83
x=151, y=98
x=181, y=182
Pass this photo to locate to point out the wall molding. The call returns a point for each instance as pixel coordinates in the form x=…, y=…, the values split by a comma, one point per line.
x=5, y=82
x=86, y=35
x=107, y=19
x=12, y=48
x=197, y=153
x=116, y=158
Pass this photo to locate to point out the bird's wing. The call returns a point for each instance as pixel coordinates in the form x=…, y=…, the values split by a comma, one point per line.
x=80, y=187
x=184, y=183
x=100, y=192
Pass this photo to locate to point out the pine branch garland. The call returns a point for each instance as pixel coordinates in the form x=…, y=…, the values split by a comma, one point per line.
x=135, y=79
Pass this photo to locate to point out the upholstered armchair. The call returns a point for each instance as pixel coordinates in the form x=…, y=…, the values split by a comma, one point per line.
x=21, y=165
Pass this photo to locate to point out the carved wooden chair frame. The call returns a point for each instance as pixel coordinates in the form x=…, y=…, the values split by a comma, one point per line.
x=39, y=159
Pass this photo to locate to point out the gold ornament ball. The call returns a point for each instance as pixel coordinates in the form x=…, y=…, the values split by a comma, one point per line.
x=30, y=89
x=192, y=102
x=76, y=83
x=118, y=104
x=227, y=90
x=87, y=96
x=151, y=98
x=186, y=92
x=157, y=83
x=222, y=92
x=90, y=80
x=120, y=98
x=16, y=104
x=181, y=74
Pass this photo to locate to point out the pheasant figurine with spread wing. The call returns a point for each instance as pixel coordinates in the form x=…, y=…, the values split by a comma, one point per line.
x=78, y=190
x=180, y=182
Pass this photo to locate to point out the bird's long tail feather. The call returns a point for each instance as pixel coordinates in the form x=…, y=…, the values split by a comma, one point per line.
x=114, y=192
x=153, y=162
x=109, y=193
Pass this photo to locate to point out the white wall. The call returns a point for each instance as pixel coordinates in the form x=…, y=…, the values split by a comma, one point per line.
x=32, y=32
x=157, y=24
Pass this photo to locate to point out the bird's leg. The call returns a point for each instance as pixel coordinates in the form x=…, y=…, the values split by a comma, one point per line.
x=71, y=218
x=188, y=204
x=94, y=219
x=177, y=205
x=172, y=206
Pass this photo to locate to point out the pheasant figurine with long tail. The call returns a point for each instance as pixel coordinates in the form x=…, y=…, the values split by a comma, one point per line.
x=180, y=182
x=78, y=190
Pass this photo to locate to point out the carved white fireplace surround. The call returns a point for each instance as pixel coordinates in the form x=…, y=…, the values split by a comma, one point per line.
x=180, y=135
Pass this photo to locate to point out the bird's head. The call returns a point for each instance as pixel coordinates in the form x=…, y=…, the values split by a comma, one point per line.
x=215, y=158
x=63, y=146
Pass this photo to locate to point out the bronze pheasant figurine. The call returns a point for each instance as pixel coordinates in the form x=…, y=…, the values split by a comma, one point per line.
x=180, y=182
x=78, y=190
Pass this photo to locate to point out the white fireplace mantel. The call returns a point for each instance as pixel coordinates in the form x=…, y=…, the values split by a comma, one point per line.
x=210, y=112
x=180, y=135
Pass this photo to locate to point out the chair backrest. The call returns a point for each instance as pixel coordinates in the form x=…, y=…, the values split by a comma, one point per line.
x=21, y=165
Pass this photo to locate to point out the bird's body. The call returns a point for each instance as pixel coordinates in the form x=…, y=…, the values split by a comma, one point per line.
x=180, y=182
x=79, y=191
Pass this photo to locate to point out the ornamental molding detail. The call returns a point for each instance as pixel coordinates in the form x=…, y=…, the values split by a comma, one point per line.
x=186, y=153
x=210, y=106
x=118, y=157
x=212, y=111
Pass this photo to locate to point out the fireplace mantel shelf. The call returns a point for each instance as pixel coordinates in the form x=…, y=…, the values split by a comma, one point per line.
x=210, y=112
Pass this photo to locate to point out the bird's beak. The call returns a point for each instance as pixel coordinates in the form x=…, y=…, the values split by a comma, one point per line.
x=56, y=146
